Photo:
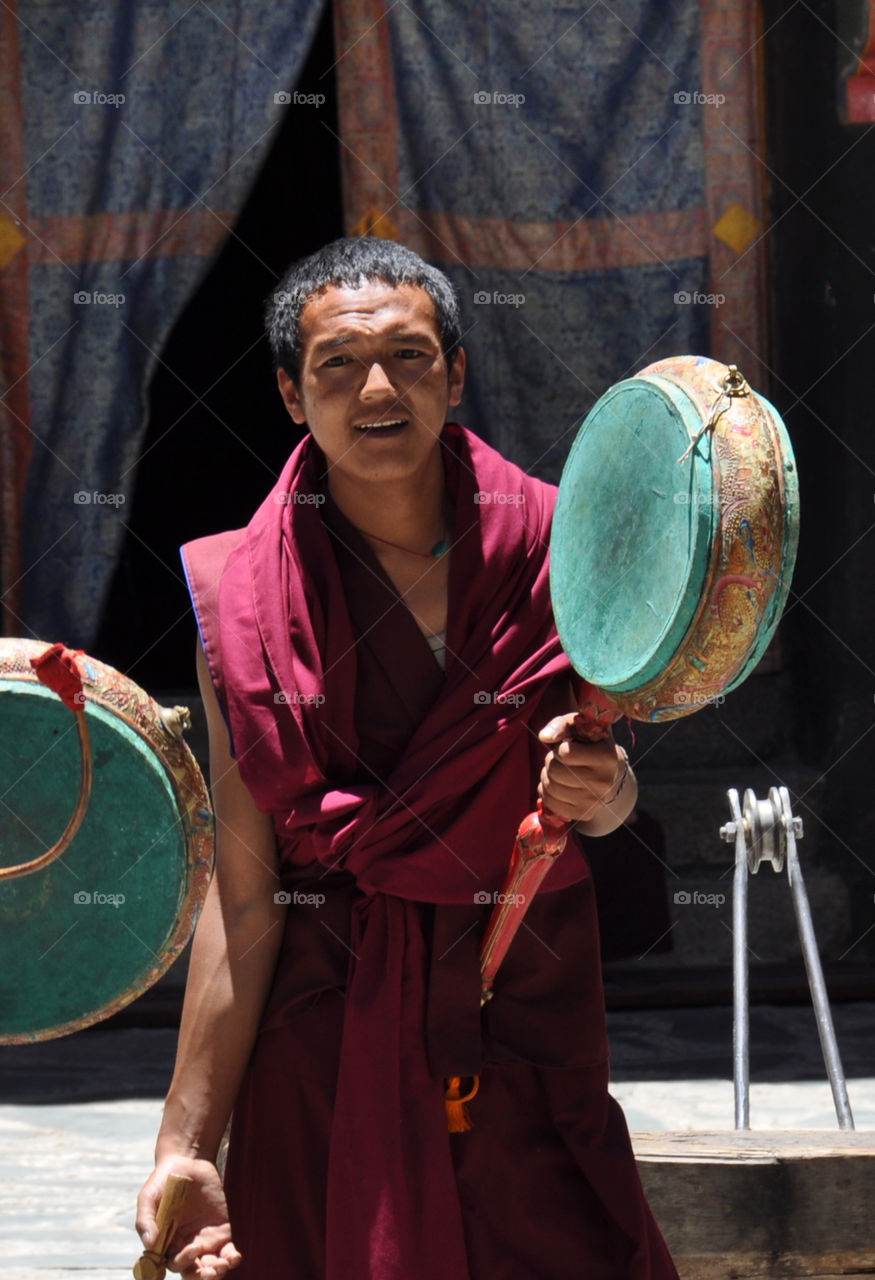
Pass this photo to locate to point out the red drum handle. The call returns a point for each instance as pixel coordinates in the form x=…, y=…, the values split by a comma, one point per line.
x=539, y=842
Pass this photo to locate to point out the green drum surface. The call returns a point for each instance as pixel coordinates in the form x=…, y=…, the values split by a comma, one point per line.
x=90, y=931
x=631, y=534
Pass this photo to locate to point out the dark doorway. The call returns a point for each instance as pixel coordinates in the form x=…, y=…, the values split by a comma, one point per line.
x=218, y=432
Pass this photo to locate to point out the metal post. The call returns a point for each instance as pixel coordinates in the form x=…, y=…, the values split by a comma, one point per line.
x=770, y=827
x=816, y=984
x=740, y=1019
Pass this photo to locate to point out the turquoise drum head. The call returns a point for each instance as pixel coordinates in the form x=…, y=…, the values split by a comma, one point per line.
x=631, y=534
x=83, y=936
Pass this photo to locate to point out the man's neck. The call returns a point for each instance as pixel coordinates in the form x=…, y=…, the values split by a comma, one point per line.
x=411, y=513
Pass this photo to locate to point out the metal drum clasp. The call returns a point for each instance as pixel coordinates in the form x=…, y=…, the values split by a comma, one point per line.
x=735, y=383
x=732, y=385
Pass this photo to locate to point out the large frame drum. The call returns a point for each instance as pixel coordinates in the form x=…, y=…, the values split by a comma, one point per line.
x=84, y=934
x=674, y=537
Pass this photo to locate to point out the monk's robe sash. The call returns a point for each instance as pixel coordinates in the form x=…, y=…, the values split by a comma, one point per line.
x=437, y=828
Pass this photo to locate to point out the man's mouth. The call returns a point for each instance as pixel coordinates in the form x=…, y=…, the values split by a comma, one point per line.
x=385, y=427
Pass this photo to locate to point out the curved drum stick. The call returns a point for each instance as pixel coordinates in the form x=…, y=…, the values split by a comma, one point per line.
x=539, y=842
x=152, y=1265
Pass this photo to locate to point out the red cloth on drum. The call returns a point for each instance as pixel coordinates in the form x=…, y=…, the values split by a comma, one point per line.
x=56, y=668
x=395, y=793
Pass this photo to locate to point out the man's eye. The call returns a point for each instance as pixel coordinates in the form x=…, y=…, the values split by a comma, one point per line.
x=409, y=353
x=335, y=362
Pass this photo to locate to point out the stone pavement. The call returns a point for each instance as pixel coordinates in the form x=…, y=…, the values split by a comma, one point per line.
x=68, y=1187
x=79, y=1116
x=71, y=1173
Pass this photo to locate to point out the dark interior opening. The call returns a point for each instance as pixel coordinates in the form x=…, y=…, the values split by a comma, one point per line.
x=218, y=432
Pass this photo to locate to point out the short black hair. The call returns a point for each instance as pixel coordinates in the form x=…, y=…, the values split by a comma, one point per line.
x=351, y=263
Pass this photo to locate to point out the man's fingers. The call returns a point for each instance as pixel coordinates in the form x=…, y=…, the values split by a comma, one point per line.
x=557, y=728
x=571, y=812
x=589, y=755
x=571, y=792
x=211, y=1266
x=147, y=1207
x=558, y=772
x=574, y=791
x=599, y=761
x=592, y=776
x=210, y=1247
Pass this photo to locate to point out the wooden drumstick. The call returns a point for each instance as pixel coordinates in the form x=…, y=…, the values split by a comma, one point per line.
x=152, y=1265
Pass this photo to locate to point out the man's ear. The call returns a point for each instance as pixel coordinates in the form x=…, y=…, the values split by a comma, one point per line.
x=291, y=399
x=457, y=377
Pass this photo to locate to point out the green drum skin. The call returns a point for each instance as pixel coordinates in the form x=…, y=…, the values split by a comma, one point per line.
x=630, y=547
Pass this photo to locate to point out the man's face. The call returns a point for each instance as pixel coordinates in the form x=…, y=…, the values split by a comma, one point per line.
x=373, y=356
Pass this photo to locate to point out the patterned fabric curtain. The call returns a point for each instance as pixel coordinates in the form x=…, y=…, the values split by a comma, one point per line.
x=129, y=138
x=589, y=174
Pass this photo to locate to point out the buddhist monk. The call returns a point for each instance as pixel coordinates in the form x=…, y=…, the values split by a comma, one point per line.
x=386, y=699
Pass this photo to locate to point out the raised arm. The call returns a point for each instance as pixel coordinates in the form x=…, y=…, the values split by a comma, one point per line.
x=232, y=964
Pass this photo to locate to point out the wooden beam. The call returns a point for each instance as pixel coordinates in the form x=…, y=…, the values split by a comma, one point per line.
x=764, y=1206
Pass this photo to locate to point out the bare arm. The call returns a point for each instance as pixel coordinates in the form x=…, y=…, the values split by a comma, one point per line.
x=232, y=964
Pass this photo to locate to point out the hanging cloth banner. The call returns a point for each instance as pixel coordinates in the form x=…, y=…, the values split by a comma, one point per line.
x=129, y=143
x=593, y=186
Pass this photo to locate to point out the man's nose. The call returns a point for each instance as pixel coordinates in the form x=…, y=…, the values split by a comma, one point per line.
x=377, y=382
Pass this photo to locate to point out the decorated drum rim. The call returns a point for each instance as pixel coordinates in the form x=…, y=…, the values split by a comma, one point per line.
x=154, y=725
x=789, y=481
x=746, y=418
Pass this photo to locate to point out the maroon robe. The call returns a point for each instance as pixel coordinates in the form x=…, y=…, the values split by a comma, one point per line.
x=545, y=1184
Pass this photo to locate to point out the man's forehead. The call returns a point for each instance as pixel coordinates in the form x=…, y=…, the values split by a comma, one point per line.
x=375, y=306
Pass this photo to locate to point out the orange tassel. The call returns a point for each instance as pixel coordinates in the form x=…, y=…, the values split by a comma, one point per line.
x=458, y=1120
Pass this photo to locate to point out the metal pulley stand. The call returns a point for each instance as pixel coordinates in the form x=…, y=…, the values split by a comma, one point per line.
x=766, y=831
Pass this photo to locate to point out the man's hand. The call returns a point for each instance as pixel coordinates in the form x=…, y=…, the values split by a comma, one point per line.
x=578, y=777
x=202, y=1248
